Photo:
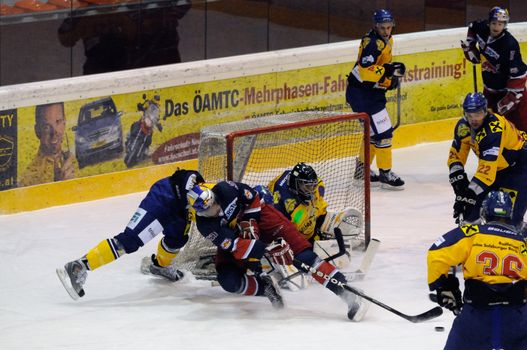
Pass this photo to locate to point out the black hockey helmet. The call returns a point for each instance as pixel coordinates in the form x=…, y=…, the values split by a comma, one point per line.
x=497, y=205
x=303, y=181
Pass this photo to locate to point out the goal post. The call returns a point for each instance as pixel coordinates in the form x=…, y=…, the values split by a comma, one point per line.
x=257, y=150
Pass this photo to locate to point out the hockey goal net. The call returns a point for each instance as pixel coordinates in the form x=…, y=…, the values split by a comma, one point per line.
x=255, y=151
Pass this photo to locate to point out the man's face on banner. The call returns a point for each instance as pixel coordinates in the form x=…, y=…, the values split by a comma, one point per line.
x=51, y=129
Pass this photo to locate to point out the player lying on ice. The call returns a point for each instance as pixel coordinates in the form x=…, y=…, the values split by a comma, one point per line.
x=243, y=228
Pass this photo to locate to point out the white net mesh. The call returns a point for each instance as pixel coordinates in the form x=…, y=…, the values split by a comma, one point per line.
x=262, y=148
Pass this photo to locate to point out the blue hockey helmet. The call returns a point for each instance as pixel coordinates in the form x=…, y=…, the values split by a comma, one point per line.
x=499, y=14
x=302, y=181
x=498, y=204
x=383, y=16
x=265, y=194
x=474, y=102
x=200, y=197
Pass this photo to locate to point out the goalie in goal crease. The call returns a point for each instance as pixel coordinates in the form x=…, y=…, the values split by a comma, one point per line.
x=157, y=214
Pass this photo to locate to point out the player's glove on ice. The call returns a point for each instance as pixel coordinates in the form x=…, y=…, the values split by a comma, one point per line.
x=449, y=295
x=280, y=252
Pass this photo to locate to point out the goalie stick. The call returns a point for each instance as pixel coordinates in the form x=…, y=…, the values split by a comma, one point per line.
x=425, y=316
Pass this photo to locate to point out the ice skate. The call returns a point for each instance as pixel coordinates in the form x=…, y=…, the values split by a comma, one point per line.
x=358, y=176
x=73, y=276
x=170, y=272
x=357, y=306
x=271, y=291
x=390, y=181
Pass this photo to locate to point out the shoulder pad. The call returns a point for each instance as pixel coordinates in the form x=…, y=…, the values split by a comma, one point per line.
x=365, y=41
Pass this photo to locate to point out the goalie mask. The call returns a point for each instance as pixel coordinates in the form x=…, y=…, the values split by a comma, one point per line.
x=201, y=198
x=303, y=181
x=497, y=205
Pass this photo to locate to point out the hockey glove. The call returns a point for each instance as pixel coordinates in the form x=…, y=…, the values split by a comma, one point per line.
x=249, y=229
x=449, y=295
x=459, y=181
x=280, y=252
x=394, y=69
x=470, y=51
x=508, y=102
x=464, y=205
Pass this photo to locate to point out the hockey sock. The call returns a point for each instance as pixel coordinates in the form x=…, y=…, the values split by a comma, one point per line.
x=384, y=158
x=372, y=153
x=104, y=253
x=165, y=255
x=328, y=270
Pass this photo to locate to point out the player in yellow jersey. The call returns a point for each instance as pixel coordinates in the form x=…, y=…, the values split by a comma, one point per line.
x=493, y=311
x=299, y=195
x=502, y=160
x=373, y=74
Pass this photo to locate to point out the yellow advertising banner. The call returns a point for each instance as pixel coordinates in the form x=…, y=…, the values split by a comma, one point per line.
x=114, y=133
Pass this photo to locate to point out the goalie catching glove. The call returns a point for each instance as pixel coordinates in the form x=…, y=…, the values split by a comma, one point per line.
x=280, y=252
x=350, y=221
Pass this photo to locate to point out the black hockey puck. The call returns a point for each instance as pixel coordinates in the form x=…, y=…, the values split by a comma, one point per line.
x=439, y=329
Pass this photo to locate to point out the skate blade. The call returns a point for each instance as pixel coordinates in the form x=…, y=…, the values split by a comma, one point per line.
x=65, y=280
x=392, y=188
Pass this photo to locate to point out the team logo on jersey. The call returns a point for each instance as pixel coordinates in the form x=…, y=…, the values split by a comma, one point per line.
x=365, y=42
x=226, y=243
x=495, y=126
x=380, y=44
x=470, y=229
x=248, y=194
x=290, y=205
x=480, y=135
x=463, y=131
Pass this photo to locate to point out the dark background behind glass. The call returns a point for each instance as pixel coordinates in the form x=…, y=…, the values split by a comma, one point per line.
x=114, y=35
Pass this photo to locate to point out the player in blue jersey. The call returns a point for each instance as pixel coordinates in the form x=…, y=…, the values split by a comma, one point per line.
x=502, y=160
x=244, y=228
x=373, y=74
x=492, y=313
x=163, y=210
x=504, y=73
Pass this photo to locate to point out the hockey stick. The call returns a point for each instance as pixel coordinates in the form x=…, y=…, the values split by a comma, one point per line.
x=359, y=274
x=398, y=100
x=474, y=75
x=425, y=316
x=342, y=251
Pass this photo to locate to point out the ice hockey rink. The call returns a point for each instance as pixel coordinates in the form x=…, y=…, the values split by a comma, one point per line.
x=124, y=309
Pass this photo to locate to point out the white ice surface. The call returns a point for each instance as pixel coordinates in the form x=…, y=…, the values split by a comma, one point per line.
x=125, y=310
